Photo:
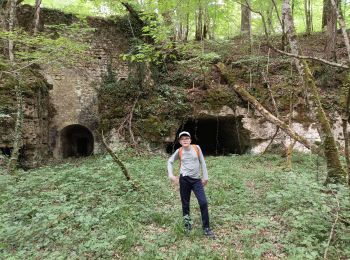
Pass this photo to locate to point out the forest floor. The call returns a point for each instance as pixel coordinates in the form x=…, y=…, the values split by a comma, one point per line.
x=85, y=209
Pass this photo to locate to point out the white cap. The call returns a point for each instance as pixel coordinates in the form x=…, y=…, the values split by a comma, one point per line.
x=184, y=133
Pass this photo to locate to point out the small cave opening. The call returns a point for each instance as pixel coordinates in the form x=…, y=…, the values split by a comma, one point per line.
x=216, y=135
x=7, y=151
x=76, y=141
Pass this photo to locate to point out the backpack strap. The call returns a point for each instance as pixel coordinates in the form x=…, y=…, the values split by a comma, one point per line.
x=194, y=147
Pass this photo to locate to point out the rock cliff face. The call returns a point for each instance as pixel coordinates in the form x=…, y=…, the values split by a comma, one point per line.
x=74, y=88
x=37, y=112
x=243, y=130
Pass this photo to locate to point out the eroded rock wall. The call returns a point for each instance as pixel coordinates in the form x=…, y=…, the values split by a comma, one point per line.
x=74, y=93
x=261, y=131
x=37, y=112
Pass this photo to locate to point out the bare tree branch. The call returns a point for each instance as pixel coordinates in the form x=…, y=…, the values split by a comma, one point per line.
x=273, y=138
x=275, y=107
x=278, y=15
x=119, y=162
x=130, y=121
x=303, y=57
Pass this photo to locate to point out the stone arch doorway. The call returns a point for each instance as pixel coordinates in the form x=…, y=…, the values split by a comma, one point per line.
x=216, y=135
x=76, y=141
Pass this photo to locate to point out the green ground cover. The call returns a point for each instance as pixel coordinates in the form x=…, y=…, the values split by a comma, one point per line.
x=84, y=209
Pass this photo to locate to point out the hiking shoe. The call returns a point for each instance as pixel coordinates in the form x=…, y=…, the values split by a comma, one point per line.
x=187, y=223
x=188, y=228
x=208, y=233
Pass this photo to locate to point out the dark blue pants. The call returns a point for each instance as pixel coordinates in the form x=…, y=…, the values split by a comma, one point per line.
x=187, y=184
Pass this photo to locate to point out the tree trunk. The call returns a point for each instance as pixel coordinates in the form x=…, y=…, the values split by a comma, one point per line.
x=182, y=16
x=245, y=21
x=36, y=16
x=246, y=25
x=331, y=32
x=206, y=23
x=284, y=36
x=187, y=27
x=269, y=19
x=290, y=32
x=137, y=17
x=3, y=16
x=345, y=120
x=199, y=24
x=213, y=25
x=308, y=16
x=335, y=171
x=4, y=26
x=11, y=25
x=346, y=112
x=168, y=22
x=183, y=21
x=327, y=9
x=342, y=24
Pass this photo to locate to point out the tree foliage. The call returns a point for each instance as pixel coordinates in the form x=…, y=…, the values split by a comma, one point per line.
x=223, y=15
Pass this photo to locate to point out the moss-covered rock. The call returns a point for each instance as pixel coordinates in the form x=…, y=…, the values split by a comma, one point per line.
x=154, y=109
x=218, y=96
x=36, y=110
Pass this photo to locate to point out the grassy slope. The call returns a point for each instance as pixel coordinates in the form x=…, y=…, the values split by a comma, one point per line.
x=85, y=209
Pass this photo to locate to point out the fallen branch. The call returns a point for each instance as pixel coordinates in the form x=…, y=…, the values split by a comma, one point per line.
x=130, y=121
x=275, y=107
x=303, y=57
x=119, y=162
x=270, y=93
x=273, y=138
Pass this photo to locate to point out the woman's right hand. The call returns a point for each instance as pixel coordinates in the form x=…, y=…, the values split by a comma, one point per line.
x=174, y=179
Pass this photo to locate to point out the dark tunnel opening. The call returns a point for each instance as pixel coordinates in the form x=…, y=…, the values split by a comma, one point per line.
x=76, y=141
x=216, y=135
x=7, y=151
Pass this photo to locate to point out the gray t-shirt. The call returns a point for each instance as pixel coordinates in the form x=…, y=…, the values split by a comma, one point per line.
x=190, y=165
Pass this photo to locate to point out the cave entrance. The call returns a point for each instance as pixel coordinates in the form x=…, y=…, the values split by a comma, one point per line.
x=216, y=135
x=7, y=151
x=76, y=141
